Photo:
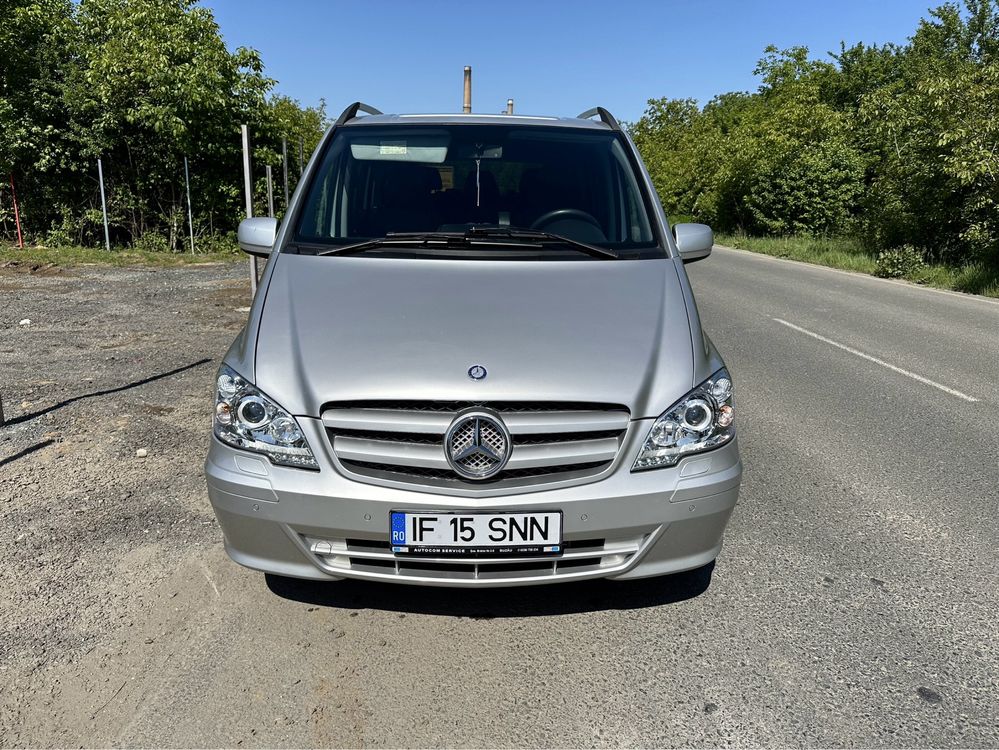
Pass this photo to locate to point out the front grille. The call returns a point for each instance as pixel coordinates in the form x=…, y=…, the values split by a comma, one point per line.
x=403, y=441
x=373, y=559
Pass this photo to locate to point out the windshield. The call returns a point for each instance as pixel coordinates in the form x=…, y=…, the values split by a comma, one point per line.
x=572, y=183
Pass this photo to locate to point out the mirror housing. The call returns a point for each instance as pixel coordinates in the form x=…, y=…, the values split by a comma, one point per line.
x=694, y=241
x=256, y=236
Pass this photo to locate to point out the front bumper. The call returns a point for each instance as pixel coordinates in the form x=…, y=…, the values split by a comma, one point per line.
x=325, y=526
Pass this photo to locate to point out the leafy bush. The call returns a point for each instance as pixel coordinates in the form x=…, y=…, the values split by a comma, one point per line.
x=899, y=262
x=217, y=243
x=63, y=232
x=152, y=242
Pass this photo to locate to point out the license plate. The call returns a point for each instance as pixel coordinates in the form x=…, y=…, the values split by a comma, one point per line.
x=476, y=534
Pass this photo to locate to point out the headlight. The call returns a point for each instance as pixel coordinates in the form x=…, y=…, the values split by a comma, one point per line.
x=700, y=421
x=246, y=418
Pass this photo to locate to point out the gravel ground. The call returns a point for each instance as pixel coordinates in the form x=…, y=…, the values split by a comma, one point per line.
x=854, y=604
x=111, y=362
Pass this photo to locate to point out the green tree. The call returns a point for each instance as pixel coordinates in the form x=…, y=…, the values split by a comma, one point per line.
x=141, y=84
x=153, y=82
x=896, y=143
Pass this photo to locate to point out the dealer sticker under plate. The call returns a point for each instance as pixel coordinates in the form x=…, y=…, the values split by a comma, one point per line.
x=476, y=534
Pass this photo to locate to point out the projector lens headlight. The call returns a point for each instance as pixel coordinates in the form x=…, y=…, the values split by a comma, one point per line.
x=700, y=421
x=248, y=419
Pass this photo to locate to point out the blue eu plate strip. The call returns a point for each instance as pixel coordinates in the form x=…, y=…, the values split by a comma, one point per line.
x=398, y=528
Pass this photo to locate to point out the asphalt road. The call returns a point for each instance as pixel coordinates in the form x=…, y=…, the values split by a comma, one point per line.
x=855, y=602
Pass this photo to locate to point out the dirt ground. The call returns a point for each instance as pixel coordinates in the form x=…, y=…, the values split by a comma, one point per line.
x=111, y=362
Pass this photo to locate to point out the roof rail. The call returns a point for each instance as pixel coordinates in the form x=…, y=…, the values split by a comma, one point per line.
x=605, y=117
x=351, y=112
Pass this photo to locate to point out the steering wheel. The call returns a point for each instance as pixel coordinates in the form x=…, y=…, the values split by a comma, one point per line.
x=563, y=214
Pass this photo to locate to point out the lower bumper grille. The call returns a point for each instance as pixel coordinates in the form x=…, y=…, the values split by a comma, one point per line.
x=374, y=559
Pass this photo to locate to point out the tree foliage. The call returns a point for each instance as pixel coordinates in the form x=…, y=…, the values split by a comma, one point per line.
x=140, y=84
x=896, y=144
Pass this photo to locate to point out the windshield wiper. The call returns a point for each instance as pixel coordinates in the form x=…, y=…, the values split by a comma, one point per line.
x=536, y=235
x=463, y=239
x=398, y=238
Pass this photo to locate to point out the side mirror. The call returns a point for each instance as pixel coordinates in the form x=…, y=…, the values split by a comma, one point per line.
x=694, y=241
x=256, y=236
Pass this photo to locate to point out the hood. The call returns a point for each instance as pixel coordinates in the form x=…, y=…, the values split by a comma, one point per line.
x=356, y=328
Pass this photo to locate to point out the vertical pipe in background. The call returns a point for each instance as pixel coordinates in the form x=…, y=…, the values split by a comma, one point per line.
x=270, y=192
x=509, y=106
x=466, y=105
x=248, y=186
x=104, y=205
x=284, y=164
x=20, y=237
x=190, y=216
x=301, y=157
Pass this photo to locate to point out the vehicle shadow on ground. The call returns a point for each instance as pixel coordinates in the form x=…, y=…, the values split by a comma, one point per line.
x=527, y=601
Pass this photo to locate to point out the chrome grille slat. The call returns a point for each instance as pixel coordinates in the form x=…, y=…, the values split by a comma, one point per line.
x=370, y=560
x=563, y=454
x=388, y=420
x=392, y=452
x=403, y=441
x=368, y=554
x=545, y=422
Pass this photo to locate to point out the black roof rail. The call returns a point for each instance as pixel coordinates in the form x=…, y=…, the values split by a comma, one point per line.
x=351, y=112
x=605, y=117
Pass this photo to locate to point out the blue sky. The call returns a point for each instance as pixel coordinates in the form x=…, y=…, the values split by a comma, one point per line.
x=552, y=57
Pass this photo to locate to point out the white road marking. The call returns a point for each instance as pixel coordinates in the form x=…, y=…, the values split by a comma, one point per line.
x=875, y=360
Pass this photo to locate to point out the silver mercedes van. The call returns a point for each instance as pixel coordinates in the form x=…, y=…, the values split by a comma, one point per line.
x=473, y=359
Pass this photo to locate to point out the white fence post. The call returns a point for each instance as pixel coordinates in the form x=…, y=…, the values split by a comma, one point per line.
x=248, y=185
x=104, y=205
x=190, y=217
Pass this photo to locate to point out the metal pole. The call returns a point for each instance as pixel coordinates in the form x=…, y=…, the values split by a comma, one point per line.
x=270, y=192
x=190, y=216
x=301, y=156
x=509, y=106
x=284, y=164
x=466, y=105
x=20, y=238
x=104, y=205
x=248, y=186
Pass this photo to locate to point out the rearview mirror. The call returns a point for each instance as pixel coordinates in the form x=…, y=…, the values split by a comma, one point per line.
x=256, y=236
x=694, y=241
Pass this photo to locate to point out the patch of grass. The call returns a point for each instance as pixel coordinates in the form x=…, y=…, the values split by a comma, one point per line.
x=848, y=254
x=78, y=256
x=972, y=279
x=836, y=252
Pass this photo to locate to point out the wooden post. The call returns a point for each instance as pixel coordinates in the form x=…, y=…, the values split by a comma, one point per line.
x=20, y=237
